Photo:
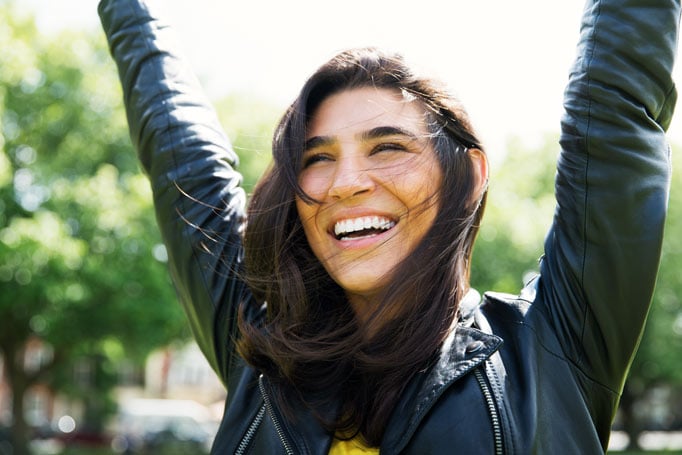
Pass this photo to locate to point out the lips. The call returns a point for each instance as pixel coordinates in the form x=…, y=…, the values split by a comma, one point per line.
x=361, y=227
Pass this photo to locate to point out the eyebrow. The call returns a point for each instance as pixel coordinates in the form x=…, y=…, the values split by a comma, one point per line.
x=372, y=134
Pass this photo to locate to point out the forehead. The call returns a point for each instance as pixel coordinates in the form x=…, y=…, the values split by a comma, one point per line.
x=355, y=110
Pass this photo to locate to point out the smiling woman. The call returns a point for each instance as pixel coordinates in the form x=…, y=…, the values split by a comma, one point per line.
x=340, y=316
x=379, y=146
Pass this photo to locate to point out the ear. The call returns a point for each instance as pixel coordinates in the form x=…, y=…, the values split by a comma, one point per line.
x=479, y=160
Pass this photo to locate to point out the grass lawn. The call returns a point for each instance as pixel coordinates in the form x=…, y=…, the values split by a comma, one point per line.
x=646, y=452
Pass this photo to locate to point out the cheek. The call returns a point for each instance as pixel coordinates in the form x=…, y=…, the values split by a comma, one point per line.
x=307, y=212
x=314, y=183
x=420, y=188
x=434, y=185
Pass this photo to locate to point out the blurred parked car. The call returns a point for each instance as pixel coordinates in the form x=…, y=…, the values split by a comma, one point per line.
x=150, y=426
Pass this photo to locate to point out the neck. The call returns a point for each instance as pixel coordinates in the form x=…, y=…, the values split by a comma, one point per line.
x=363, y=306
x=368, y=312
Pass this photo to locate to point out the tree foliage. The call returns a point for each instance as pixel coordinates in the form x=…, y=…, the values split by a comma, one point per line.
x=250, y=124
x=518, y=214
x=81, y=267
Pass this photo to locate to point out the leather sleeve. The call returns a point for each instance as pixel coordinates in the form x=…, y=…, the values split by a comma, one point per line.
x=190, y=164
x=602, y=253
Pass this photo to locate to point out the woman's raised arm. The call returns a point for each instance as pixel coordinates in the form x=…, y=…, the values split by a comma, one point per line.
x=602, y=254
x=190, y=163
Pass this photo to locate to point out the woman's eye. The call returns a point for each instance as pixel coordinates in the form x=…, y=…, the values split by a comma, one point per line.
x=316, y=158
x=388, y=147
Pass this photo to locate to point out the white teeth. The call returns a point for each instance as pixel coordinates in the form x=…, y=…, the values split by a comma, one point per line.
x=345, y=227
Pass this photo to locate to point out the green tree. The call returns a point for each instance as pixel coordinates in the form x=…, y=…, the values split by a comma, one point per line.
x=81, y=267
x=518, y=214
x=81, y=263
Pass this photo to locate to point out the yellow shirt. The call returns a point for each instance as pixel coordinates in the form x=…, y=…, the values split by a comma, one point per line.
x=351, y=447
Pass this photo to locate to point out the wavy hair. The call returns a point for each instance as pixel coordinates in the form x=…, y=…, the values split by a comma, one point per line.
x=311, y=346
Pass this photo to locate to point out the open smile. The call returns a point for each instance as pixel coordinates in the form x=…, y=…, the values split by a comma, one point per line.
x=362, y=227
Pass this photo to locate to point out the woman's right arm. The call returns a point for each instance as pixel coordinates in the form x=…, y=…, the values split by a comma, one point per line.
x=612, y=183
x=190, y=163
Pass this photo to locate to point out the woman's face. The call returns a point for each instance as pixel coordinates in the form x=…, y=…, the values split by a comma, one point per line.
x=371, y=166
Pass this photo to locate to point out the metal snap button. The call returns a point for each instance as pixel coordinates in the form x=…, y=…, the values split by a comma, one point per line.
x=474, y=347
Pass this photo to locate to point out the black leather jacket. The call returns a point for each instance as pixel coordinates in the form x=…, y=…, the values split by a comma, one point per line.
x=536, y=373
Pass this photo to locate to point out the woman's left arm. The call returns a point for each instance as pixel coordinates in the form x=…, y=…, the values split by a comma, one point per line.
x=602, y=253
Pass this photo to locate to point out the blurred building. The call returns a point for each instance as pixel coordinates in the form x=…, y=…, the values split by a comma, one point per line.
x=40, y=403
x=176, y=372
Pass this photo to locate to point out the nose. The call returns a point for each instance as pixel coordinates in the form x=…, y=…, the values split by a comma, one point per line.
x=351, y=178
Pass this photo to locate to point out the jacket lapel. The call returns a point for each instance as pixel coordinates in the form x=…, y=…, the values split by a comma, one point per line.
x=464, y=350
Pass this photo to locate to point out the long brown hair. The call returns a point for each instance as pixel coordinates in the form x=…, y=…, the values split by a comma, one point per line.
x=311, y=346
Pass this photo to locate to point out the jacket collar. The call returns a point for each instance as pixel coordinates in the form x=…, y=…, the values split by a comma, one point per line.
x=465, y=349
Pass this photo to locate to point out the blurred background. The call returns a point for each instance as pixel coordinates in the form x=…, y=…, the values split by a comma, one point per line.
x=95, y=353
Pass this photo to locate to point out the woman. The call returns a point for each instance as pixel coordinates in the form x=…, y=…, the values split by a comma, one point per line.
x=340, y=317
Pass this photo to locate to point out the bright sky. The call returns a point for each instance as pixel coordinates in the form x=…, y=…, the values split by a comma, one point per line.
x=508, y=61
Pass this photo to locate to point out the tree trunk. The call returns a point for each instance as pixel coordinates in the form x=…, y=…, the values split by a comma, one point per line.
x=631, y=424
x=14, y=367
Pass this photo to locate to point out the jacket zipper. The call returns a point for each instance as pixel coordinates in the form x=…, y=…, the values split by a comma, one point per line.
x=275, y=420
x=250, y=433
x=494, y=417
